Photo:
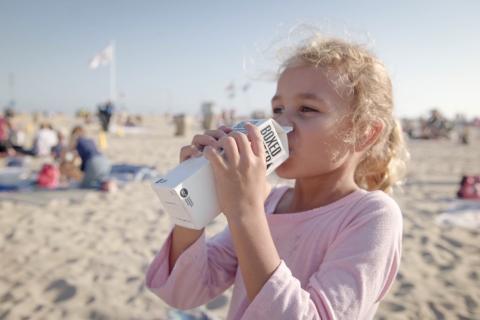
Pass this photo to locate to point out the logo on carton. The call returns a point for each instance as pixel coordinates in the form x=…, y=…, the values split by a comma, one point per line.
x=184, y=195
x=271, y=144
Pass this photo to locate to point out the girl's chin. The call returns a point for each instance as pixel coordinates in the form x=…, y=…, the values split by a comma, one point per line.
x=285, y=171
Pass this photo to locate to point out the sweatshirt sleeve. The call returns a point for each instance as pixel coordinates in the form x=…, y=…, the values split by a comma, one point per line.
x=358, y=269
x=203, y=271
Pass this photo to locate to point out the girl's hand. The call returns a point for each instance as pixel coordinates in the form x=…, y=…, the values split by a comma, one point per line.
x=200, y=141
x=239, y=173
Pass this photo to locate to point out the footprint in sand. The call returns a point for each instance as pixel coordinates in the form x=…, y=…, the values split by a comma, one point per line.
x=394, y=307
x=132, y=279
x=473, y=276
x=64, y=291
x=455, y=257
x=438, y=314
x=448, y=284
x=6, y=297
x=460, y=317
x=97, y=315
x=404, y=289
x=448, y=254
x=427, y=256
x=90, y=300
x=474, y=233
x=400, y=276
x=452, y=242
x=470, y=303
x=448, y=306
x=424, y=240
x=447, y=267
x=10, y=235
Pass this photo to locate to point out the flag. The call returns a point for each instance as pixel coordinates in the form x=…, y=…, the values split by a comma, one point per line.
x=103, y=58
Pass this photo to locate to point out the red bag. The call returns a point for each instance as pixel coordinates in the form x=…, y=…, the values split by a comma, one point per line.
x=48, y=177
x=469, y=188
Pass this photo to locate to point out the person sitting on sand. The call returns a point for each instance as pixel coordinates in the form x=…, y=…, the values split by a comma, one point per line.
x=94, y=165
x=45, y=139
x=61, y=145
x=5, y=126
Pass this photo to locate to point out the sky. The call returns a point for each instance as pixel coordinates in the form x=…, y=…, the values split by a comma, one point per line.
x=173, y=55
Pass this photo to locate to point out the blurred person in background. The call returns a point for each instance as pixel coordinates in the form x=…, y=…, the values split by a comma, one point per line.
x=45, y=139
x=94, y=166
x=5, y=127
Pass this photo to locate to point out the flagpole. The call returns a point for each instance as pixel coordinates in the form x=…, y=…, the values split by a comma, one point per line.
x=113, y=80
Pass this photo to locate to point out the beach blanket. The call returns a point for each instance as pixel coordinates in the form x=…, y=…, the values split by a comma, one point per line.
x=19, y=184
x=461, y=213
x=21, y=179
x=15, y=178
x=128, y=172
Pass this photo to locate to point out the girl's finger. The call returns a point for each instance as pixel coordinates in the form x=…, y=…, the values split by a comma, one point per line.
x=210, y=137
x=188, y=152
x=225, y=129
x=215, y=158
x=218, y=133
x=230, y=149
x=243, y=145
x=202, y=140
x=255, y=138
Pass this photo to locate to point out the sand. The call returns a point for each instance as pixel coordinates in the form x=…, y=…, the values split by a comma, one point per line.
x=83, y=254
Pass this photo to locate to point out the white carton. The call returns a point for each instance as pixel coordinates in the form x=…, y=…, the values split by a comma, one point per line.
x=188, y=191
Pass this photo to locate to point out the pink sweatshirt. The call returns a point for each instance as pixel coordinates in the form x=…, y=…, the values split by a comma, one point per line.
x=337, y=262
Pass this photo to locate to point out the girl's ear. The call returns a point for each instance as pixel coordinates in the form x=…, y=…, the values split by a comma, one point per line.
x=369, y=136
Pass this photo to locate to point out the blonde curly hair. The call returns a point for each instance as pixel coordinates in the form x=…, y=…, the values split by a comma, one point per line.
x=356, y=73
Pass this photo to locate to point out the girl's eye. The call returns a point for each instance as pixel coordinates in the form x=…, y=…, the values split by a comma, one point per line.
x=277, y=110
x=307, y=109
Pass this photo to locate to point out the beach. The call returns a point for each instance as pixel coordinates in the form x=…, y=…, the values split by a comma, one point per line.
x=80, y=254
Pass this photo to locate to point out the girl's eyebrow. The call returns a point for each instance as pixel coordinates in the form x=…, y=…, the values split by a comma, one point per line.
x=276, y=97
x=306, y=95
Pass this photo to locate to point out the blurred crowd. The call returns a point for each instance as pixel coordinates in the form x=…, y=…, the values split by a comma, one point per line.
x=67, y=157
x=438, y=126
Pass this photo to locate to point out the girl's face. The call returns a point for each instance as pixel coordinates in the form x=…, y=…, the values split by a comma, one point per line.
x=321, y=120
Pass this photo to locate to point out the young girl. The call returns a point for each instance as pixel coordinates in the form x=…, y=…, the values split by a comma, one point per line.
x=330, y=247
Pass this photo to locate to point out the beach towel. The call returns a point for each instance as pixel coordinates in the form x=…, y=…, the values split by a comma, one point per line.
x=16, y=162
x=461, y=213
x=127, y=172
x=15, y=178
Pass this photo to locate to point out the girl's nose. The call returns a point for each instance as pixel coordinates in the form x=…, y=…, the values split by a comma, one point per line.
x=285, y=120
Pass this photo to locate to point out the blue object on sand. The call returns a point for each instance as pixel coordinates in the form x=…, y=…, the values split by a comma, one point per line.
x=129, y=172
x=15, y=179
x=15, y=162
